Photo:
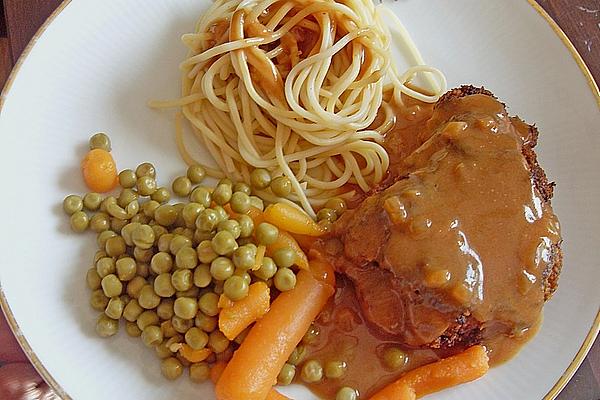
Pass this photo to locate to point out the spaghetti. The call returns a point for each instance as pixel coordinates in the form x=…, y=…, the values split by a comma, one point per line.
x=294, y=86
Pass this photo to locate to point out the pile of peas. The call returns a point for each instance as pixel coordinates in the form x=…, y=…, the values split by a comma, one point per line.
x=161, y=268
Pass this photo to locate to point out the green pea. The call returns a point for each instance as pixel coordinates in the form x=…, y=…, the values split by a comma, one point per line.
x=199, y=372
x=244, y=257
x=246, y=225
x=179, y=242
x=236, y=288
x=311, y=335
x=93, y=279
x=143, y=237
x=116, y=225
x=190, y=213
x=115, y=307
x=100, y=222
x=221, y=268
x=127, y=179
x=225, y=181
x=171, y=368
x=196, y=173
x=266, y=233
x=298, y=355
x=240, y=202
x=242, y=187
x=267, y=269
x=106, y=327
x=111, y=285
x=286, y=375
x=132, y=329
x=243, y=274
x=201, y=195
x=312, y=371
x=146, y=185
x=98, y=255
x=284, y=279
x=196, y=338
x=126, y=196
x=260, y=178
x=145, y=169
x=149, y=207
x=186, y=258
x=224, y=243
x=336, y=204
x=159, y=230
x=148, y=298
x=152, y=336
x=105, y=266
x=207, y=220
x=143, y=256
x=394, y=358
x=218, y=342
x=100, y=141
x=79, y=221
x=164, y=242
x=346, y=393
x=134, y=286
x=205, y=252
x=165, y=309
x=147, y=318
x=132, y=310
x=284, y=257
x=92, y=201
x=231, y=226
x=326, y=214
x=98, y=300
x=163, y=286
x=115, y=246
x=126, y=268
x=335, y=369
x=186, y=307
x=218, y=287
x=281, y=186
x=257, y=203
x=221, y=213
x=208, y=304
x=182, y=186
x=202, y=276
x=222, y=194
x=205, y=322
x=182, y=279
x=161, y=195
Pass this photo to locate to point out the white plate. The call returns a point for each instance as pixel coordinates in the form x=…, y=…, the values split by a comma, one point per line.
x=97, y=64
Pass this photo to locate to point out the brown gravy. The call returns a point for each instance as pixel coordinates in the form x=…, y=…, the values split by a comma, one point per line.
x=466, y=225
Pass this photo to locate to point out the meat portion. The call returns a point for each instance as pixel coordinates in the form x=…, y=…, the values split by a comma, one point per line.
x=461, y=243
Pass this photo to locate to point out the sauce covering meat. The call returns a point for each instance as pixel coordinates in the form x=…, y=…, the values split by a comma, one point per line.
x=459, y=246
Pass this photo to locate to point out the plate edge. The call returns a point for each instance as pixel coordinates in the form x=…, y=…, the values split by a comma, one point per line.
x=551, y=395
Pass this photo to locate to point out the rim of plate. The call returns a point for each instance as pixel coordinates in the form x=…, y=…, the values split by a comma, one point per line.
x=41, y=369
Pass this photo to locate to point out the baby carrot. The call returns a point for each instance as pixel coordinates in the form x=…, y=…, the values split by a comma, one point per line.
x=234, y=319
x=253, y=370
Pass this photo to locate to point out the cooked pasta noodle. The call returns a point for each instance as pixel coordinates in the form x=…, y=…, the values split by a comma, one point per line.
x=294, y=86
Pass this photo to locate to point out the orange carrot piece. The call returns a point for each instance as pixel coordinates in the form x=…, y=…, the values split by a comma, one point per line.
x=305, y=242
x=192, y=355
x=99, y=171
x=322, y=270
x=253, y=370
x=233, y=320
x=217, y=370
x=291, y=219
x=253, y=212
x=461, y=368
x=275, y=395
x=224, y=301
x=260, y=254
x=284, y=239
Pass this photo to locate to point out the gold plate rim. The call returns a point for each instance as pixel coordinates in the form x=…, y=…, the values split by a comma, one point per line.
x=551, y=395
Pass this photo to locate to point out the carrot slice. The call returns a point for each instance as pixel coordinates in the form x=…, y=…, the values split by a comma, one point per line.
x=233, y=320
x=253, y=212
x=99, y=171
x=291, y=219
x=192, y=355
x=253, y=370
x=275, y=395
x=217, y=370
x=461, y=368
x=224, y=301
x=284, y=239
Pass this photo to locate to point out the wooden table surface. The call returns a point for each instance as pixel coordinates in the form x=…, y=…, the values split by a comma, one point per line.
x=580, y=19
